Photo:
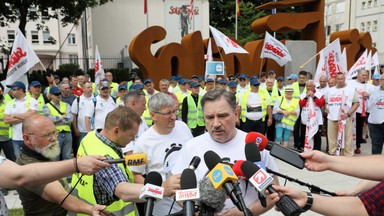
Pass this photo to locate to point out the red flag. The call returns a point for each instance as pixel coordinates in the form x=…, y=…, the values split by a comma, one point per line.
x=145, y=6
x=191, y=7
x=238, y=7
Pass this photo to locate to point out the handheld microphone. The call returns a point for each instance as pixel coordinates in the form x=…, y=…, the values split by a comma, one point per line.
x=130, y=160
x=211, y=200
x=194, y=163
x=188, y=193
x=263, y=181
x=222, y=176
x=151, y=191
x=285, y=154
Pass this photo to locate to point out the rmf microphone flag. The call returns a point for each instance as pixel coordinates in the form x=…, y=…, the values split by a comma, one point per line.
x=131, y=160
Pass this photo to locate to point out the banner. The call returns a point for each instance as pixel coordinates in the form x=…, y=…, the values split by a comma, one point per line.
x=332, y=58
x=275, y=50
x=320, y=70
x=312, y=126
x=99, y=70
x=343, y=61
x=22, y=59
x=375, y=63
x=214, y=68
x=228, y=45
x=359, y=64
x=209, y=58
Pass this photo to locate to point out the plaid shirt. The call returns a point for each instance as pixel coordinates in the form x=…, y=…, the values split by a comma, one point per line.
x=373, y=199
x=106, y=180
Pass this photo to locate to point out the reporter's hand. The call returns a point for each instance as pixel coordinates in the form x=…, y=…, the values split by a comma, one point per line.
x=315, y=160
x=97, y=210
x=230, y=212
x=89, y=165
x=300, y=197
x=171, y=185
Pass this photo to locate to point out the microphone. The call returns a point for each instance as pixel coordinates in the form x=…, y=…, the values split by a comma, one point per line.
x=285, y=154
x=194, y=163
x=222, y=176
x=263, y=181
x=130, y=160
x=151, y=191
x=188, y=193
x=211, y=200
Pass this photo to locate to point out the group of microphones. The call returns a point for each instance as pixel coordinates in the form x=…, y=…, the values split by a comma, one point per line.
x=222, y=180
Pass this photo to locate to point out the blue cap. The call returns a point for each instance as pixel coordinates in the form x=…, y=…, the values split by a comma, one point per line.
x=148, y=81
x=232, y=84
x=201, y=78
x=182, y=81
x=178, y=77
x=136, y=86
x=209, y=80
x=254, y=77
x=242, y=76
x=376, y=76
x=34, y=83
x=122, y=86
x=17, y=84
x=54, y=90
x=173, y=78
x=194, y=84
x=254, y=82
x=280, y=78
x=271, y=71
x=292, y=76
x=195, y=76
x=56, y=76
x=223, y=81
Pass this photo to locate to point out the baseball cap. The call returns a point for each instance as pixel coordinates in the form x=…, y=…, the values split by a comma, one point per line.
x=271, y=71
x=201, y=78
x=122, y=86
x=289, y=88
x=17, y=84
x=104, y=83
x=232, y=84
x=194, y=84
x=280, y=78
x=182, y=81
x=254, y=82
x=56, y=76
x=242, y=76
x=223, y=81
x=34, y=83
x=54, y=90
x=209, y=80
x=136, y=86
x=148, y=81
x=195, y=77
x=375, y=76
x=292, y=76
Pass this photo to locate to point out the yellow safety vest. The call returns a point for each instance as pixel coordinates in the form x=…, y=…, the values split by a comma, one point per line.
x=146, y=114
x=40, y=103
x=264, y=104
x=4, y=128
x=180, y=97
x=91, y=145
x=195, y=114
x=296, y=90
x=291, y=119
x=53, y=112
x=114, y=88
x=27, y=104
x=7, y=98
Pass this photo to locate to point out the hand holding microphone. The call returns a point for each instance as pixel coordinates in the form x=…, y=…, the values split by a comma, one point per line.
x=130, y=160
x=151, y=191
x=189, y=192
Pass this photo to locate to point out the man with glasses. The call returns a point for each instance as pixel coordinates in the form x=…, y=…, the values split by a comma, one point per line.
x=242, y=87
x=114, y=86
x=255, y=106
x=16, y=111
x=60, y=114
x=98, y=108
x=162, y=143
x=41, y=145
x=35, y=92
x=66, y=93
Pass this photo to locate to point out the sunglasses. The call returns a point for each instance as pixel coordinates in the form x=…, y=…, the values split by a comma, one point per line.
x=105, y=88
x=57, y=94
x=15, y=89
x=256, y=85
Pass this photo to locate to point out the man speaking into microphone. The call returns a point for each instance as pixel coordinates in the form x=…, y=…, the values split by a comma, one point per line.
x=220, y=114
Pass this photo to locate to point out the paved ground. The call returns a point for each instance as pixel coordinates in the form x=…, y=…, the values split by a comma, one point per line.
x=327, y=180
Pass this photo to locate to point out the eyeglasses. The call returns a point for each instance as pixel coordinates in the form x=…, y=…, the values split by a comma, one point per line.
x=57, y=94
x=104, y=88
x=256, y=85
x=46, y=136
x=169, y=114
x=241, y=79
x=15, y=89
x=37, y=86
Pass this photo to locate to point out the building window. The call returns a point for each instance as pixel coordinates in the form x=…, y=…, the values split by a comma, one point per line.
x=35, y=37
x=339, y=26
x=370, y=3
x=45, y=14
x=362, y=27
x=46, y=37
x=368, y=26
x=73, y=59
x=374, y=26
x=374, y=3
x=11, y=36
x=374, y=45
x=363, y=5
x=71, y=39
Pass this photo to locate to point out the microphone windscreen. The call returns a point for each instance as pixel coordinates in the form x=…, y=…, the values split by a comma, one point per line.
x=252, y=152
x=237, y=169
x=249, y=169
x=211, y=159
x=195, y=162
x=153, y=178
x=258, y=138
x=210, y=197
x=188, y=179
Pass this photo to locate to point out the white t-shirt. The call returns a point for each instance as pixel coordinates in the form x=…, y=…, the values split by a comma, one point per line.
x=162, y=152
x=376, y=105
x=103, y=107
x=19, y=106
x=142, y=128
x=254, y=101
x=340, y=98
x=360, y=88
x=79, y=110
x=232, y=150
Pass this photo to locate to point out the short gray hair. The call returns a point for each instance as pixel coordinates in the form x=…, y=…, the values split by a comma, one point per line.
x=160, y=100
x=134, y=94
x=310, y=82
x=216, y=94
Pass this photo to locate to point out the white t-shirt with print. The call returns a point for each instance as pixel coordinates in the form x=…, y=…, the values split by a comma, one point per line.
x=79, y=110
x=103, y=107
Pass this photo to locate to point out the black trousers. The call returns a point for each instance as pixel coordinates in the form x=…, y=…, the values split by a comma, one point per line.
x=256, y=126
x=360, y=120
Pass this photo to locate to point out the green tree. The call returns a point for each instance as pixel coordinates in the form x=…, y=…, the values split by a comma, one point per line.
x=23, y=11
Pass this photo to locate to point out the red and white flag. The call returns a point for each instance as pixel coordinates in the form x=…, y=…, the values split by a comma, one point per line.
x=343, y=61
x=22, y=59
x=228, y=45
x=359, y=64
x=320, y=70
x=332, y=58
x=275, y=50
x=312, y=126
x=99, y=70
x=191, y=7
x=375, y=63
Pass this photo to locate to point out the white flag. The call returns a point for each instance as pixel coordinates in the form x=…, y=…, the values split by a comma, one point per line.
x=209, y=58
x=332, y=58
x=99, y=70
x=22, y=59
x=275, y=50
x=368, y=63
x=320, y=71
x=343, y=61
x=312, y=126
x=375, y=63
x=228, y=45
x=359, y=64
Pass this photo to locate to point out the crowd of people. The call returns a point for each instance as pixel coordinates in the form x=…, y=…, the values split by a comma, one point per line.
x=185, y=117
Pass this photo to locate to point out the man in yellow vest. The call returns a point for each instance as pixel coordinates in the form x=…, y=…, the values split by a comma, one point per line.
x=255, y=106
x=35, y=92
x=5, y=140
x=114, y=86
x=112, y=186
x=181, y=94
x=192, y=113
x=274, y=94
x=60, y=113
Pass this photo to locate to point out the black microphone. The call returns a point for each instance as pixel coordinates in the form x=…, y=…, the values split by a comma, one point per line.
x=194, y=163
x=211, y=200
x=151, y=191
x=285, y=154
x=263, y=181
x=189, y=192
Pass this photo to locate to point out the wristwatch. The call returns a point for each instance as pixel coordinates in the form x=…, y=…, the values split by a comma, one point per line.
x=309, y=203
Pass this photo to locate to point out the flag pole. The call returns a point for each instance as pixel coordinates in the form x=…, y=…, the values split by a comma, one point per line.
x=236, y=18
x=261, y=66
x=302, y=66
